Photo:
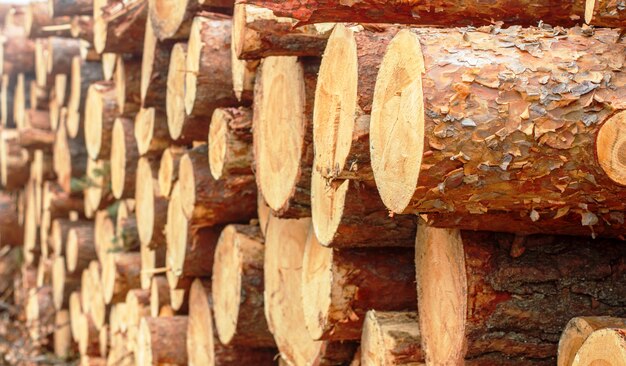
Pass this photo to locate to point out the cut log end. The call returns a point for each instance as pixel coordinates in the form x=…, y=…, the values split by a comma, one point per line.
x=317, y=283
x=217, y=142
x=175, y=100
x=144, y=129
x=144, y=200
x=578, y=330
x=98, y=111
x=167, y=16
x=391, y=338
x=124, y=156
x=605, y=347
x=611, y=147
x=187, y=183
x=200, y=336
x=168, y=169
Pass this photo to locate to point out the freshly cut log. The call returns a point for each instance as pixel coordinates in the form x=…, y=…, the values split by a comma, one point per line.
x=83, y=74
x=340, y=286
x=14, y=161
x=104, y=233
x=152, y=262
x=39, y=23
x=20, y=102
x=391, y=338
x=124, y=157
x=159, y=295
x=119, y=26
x=39, y=96
x=88, y=336
x=263, y=213
x=40, y=313
x=490, y=292
x=258, y=33
x=44, y=272
x=82, y=27
x=175, y=92
x=61, y=88
x=80, y=249
x=154, y=65
x=150, y=205
x=97, y=185
x=208, y=76
x=58, y=8
x=126, y=231
x=203, y=345
x=17, y=53
x=470, y=145
x=62, y=335
x=206, y=201
x=168, y=169
x=244, y=74
x=11, y=231
x=172, y=19
x=138, y=306
x=63, y=284
x=127, y=80
x=59, y=231
x=162, y=340
x=578, y=330
x=6, y=100
x=32, y=138
x=103, y=340
x=283, y=131
x=346, y=208
x=445, y=13
x=75, y=310
x=70, y=160
x=101, y=109
x=237, y=288
x=151, y=132
x=61, y=52
x=284, y=251
x=58, y=202
x=120, y=273
x=108, y=59
x=603, y=347
x=31, y=244
x=230, y=142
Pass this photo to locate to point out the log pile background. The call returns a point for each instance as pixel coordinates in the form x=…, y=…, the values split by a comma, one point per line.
x=199, y=182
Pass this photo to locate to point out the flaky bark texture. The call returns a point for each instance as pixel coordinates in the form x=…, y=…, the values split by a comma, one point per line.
x=70, y=7
x=121, y=26
x=162, y=340
x=61, y=52
x=444, y=13
x=391, y=338
x=511, y=130
x=39, y=23
x=59, y=202
x=497, y=293
x=11, y=231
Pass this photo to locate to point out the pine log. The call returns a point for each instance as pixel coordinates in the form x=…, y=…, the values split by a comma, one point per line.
x=17, y=53
x=237, y=288
x=258, y=33
x=104, y=232
x=127, y=80
x=11, y=231
x=119, y=26
x=44, y=272
x=578, y=330
x=126, y=230
x=61, y=88
x=492, y=291
x=32, y=138
x=162, y=340
x=20, y=102
x=175, y=95
x=40, y=313
x=83, y=74
x=39, y=96
x=39, y=23
x=154, y=65
x=88, y=339
x=75, y=310
x=31, y=243
x=22, y=285
x=70, y=160
x=97, y=185
x=6, y=100
x=63, y=284
x=81, y=27
x=284, y=251
x=203, y=345
x=391, y=338
x=120, y=273
x=168, y=169
x=208, y=76
x=340, y=286
x=206, y=201
x=456, y=13
x=103, y=340
x=151, y=207
x=151, y=131
x=173, y=19
x=124, y=157
x=152, y=262
x=109, y=59
x=159, y=295
x=59, y=8
x=263, y=213
x=603, y=347
x=101, y=110
x=14, y=161
x=230, y=142
x=58, y=202
x=244, y=75
x=283, y=131
x=59, y=231
x=138, y=306
x=80, y=249
x=61, y=52
x=62, y=335
x=479, y=147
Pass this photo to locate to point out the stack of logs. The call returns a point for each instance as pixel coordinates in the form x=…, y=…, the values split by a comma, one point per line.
x=208, y=183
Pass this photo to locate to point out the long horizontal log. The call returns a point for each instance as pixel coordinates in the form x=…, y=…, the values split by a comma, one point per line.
x=39, y=23
x=17, y=53
x=61, y=52
x=476, y=146
x=601, y=13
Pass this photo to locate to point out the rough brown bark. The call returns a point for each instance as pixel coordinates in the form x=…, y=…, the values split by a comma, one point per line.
x=119, y=26
x=483, y=147
x=14, y=161
x=120, y=274
x=6, y=101
x=101, y=111
x=124, y=157
x=59, y=8
x=32, y=138
x=151, y=132
x=391, y=338
x=162, y=340
x=257, y=33
x=39, y=23
x=80, y=249
x=172, y=19
x=578, y=330
x=444, y=13
x=83, y=74
x=237, y=288
x=18, y=52
x=11, y=231
x=60, y=203
x=61, y=52
x=498, y=293
x=283, y=96
x=230, y=142
x=206, y=201
x=127, y=79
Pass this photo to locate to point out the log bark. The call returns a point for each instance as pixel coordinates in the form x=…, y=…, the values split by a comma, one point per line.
x=70, y=160
x=230, y=142
x=124, y=157
x=203, y=345
x=80, y=250
x=159, y=295
x=20, y=101
x=59, y=231
x=61, y=52
x=39, y=23
x=237, y=288
x=283, y=95
x=605, y=346
x=173, y=19
x=492, y=290
x=475, y=133
x=82, y=28
x=151, y=206
x=340, y=286
x=244, y=75
x=59, y=8
x=89, y=336
x=58, y=202
x=101, y=109
x=14, y=162
x=168, y=169
x=162, y=340
x=578, y=330
x=151, y=132
x=154, y=66
x=442, y=13
x=97, y=186
x=11, y=231
x=40, y=314
x=84, y=73
x=119, y=26
x=391, y=338
x=63, y=284
x=17, y=52
x=6, y=100
x=258, y=33
x=32, y=138
x=120, y=274
x=208, y=76
x=206, y=201
x=63, y=346
x=284, y=252
x=127, y=79
x=126, y=230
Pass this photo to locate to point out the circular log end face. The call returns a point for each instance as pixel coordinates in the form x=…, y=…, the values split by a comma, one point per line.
x=71, y=250
x=119, y=78
x=611, y=147
x=176, y=237
x=94, y=108
x=604, y=347
x=108, y=276
x=175, y=97
x=327, y=207
x=397, y=121
x=60, y=88
x=167, y=16
x=226, y=285
x=187, y=184
x=108, y=64
x=147, y=59
x=576, y=332
x=589, y=8
x=58, y=282
x=200, y=334
x=217, y=141
x=73, y=102
x=279, y=129
x=238, y=29
x=372, y=341
x=99, y=34
x=317, y=287
x=118, y=159
x=148, y=263
x=144, y=201
x=192, y=62
x=144, y=129
x=143, y=350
